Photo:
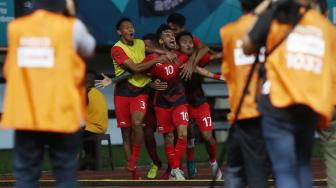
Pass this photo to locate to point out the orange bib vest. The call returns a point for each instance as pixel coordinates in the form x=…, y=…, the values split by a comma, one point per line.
x=235, y=68
x=44, y=89
x=301, y=69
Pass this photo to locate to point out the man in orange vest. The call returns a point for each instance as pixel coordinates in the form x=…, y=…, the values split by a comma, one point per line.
x=45, y=94
x=297, y=95
x=247, y=159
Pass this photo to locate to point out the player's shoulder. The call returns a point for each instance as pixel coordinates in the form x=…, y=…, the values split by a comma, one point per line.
x=178, y=53
x=139, y=42
x=182, y=57
x=195, y=38
x=117, y=45
x=117, y=50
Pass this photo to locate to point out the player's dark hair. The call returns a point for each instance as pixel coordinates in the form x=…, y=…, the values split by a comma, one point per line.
x=162, y=28
x=150, y=36
x=181, y=34
x=122, y=20
x=177, y=19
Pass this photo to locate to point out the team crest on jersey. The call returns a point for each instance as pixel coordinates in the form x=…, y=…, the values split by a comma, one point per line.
x=117, y=54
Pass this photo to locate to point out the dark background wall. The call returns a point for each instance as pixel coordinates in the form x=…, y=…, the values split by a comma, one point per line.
x=204, y=17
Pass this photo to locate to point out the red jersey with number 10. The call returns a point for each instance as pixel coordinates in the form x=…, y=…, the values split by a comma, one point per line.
x=169, y=72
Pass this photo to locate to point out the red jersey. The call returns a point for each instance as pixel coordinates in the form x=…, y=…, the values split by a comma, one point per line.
x=124, y=88
x=194, y=91
x=165, y=71
x=205, y=60
x=196, y=41
x=169, y=72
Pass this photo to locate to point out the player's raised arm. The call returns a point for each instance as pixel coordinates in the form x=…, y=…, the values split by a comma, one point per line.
x=206, y=73
x=106, y=81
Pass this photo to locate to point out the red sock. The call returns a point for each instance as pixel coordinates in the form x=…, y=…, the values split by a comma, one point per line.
x=170, y=154
x=211, y=149
x=136, y=175
x=181, y=146
x=151, y=149
x=135, y=152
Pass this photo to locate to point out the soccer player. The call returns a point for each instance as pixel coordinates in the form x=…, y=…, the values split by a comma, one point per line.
x=170, y=105
x=131, y=95
x=150, y=41
x=247, y=159
x=150, y=128
x=297, y=94
x=176, y=22
x=150, y=118
x=198, y=107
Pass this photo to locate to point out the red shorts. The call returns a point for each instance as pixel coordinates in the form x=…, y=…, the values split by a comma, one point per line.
x=202, y=117
x=150, y=120
x=169, y=118
x=125, y=106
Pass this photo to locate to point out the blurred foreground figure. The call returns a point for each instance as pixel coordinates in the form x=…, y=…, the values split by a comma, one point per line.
x=297, y=94
x=247, y=162
x=45, y=93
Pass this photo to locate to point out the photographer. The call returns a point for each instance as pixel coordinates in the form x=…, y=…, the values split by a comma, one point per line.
x=44, y=92
x=296, y=96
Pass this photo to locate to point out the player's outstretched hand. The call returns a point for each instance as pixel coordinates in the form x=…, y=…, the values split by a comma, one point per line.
x=187, y=70
x=104, y=82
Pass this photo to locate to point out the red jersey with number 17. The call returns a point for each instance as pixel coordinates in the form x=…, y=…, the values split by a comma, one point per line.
x=168, y=72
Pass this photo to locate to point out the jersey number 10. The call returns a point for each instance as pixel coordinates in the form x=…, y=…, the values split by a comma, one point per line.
x=169, y=70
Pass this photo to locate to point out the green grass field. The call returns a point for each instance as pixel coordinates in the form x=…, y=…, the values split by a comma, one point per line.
x=118, y=157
